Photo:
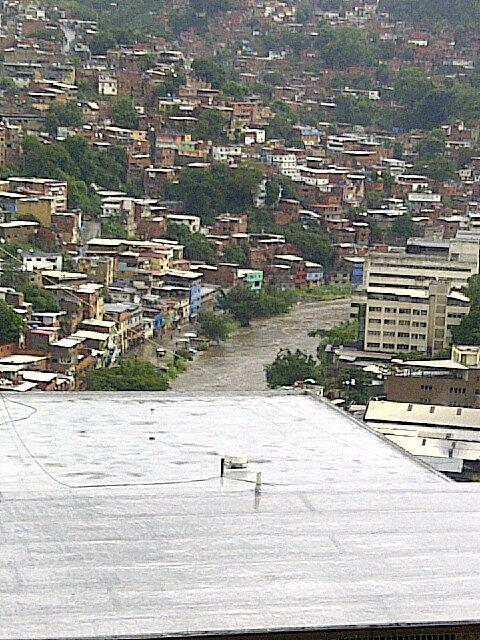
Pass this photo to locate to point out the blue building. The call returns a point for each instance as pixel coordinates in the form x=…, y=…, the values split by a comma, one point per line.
x=191, y=280
x=356, y=266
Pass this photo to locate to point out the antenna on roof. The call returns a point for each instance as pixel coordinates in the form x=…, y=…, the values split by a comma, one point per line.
x=258, y=483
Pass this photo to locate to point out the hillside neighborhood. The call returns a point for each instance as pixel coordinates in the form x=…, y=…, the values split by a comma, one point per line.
x=173, y=170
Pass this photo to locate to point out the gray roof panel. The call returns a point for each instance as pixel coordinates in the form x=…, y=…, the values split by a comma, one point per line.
x=348, y=530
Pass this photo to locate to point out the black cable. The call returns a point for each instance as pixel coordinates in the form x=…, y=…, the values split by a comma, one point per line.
x=83, y=486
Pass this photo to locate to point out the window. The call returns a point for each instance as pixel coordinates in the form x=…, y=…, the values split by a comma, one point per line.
x=389, y=322
x=402, y=334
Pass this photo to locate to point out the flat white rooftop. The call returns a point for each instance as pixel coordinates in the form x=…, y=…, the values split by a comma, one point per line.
x=106, y=531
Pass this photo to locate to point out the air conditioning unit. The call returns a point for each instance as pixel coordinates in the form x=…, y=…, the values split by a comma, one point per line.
x=236, y=462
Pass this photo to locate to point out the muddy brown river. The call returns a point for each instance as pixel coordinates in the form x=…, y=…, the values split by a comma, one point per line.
x=237, y=366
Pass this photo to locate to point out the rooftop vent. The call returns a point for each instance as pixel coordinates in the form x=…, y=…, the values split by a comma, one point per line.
x=236, y=462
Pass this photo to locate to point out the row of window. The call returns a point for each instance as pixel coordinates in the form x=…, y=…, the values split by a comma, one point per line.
x=397, y=266
x=401, y=311
x=391, y=346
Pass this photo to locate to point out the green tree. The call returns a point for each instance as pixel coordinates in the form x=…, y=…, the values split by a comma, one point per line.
x=209, y=125
x=403, y=228
x=234, y=89
x=440, y=169
x=124, y=114
x=280, y=126
x=240, y=303
x=433, y=109
x=147, y=61
x=208, y=192
x=473, y=290
x=131, y=374
x=238, y=254
x=374, y=199
x=468, y=332
x=11, y=324
x=41, y=299
x=341, y=334
x=355, y=384
x=244, y=304
x=279, y=187
x=216, y=327
x=210, y=71
x=102, y=42
x=398, y=150
x=312, y=244
x=8, y=87
x=431, y=13
x=290, y=367
x=196, y=246
x=169, y=85
x=411, y=85
x=114, y=229
x=75, y=161
x=433, y=145
x=66, y=114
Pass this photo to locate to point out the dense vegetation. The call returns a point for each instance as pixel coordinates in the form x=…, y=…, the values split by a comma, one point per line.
x=75, y=161
x=245, y=305
x=41, y=299
x=216, y=327
x=130, y=375
x=218, y=189
x=11, y=324
x=462, y=13
x=196, y=246
x=351, y=383
x=468, y=332
x=290, y=367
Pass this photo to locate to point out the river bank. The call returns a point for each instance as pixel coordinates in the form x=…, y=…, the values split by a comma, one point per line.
x=237, y=365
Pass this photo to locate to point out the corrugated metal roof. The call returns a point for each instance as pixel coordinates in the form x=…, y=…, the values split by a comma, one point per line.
x=422, y=414
x=347, y=530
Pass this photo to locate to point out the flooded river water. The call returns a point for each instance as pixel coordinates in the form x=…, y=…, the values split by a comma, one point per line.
x=237, y=366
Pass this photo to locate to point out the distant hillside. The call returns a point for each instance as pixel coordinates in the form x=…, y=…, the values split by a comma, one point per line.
x=464, y=13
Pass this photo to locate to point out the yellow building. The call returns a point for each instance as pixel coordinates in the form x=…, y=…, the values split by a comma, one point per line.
x=41, y=208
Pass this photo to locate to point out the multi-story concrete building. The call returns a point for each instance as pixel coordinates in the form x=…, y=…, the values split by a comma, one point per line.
x=252, y=278
x=191, y=282
x=54, y=189
x=412, y=302
x=454, y=382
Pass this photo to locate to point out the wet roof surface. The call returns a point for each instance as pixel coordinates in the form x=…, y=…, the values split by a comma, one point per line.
x=97, y=541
